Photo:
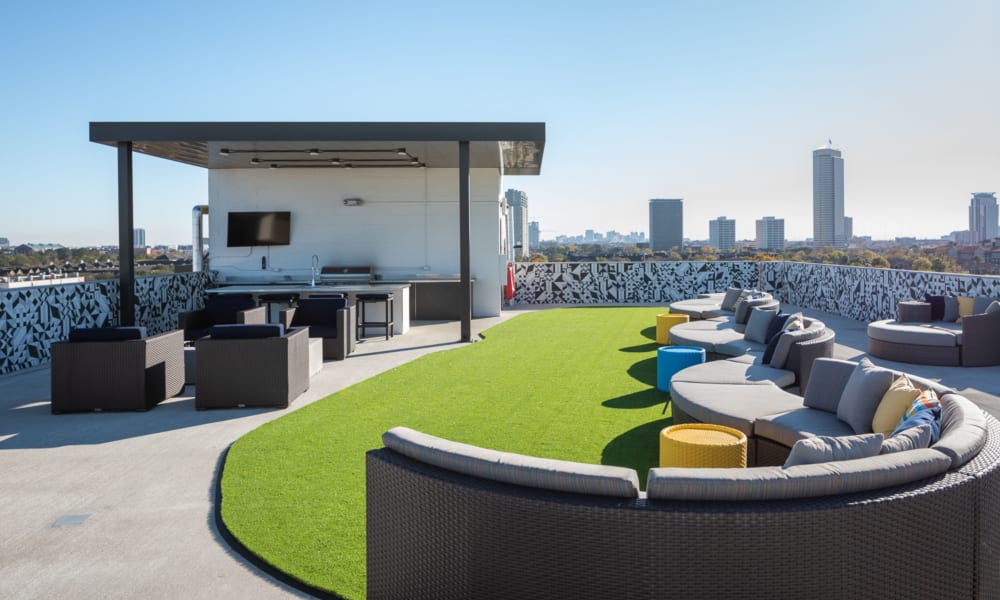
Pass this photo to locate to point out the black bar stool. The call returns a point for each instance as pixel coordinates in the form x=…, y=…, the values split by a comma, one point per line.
x=289, y=298
x=363, y=299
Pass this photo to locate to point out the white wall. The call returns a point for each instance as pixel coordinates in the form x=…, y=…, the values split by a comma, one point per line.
x=408, y=224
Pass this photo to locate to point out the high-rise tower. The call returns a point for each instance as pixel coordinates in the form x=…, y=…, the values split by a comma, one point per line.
x=983, y=223
x=828, y=197
x=666, y=224
x=517, y=201
x=770, y=234
x=722, y=234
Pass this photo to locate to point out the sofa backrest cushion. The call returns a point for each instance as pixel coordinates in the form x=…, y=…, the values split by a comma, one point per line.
x=992, y=308
x=318, y=311
x=813, y=330
x=862, y=394
x=963, y=429
x=908, y=439
x=557, y=475
x=827, y=380
x=825, y=448
x=802, y=481
x=729, y=300
x=937, y=306
x=980, y=304
x=742, y=308
x=757, y=325
x=950, y=309
x=106, y=334
x=246, y=332
x=222, y=309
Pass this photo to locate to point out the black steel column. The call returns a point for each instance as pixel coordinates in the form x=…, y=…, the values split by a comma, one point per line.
x=126, y=251
x=464, y=219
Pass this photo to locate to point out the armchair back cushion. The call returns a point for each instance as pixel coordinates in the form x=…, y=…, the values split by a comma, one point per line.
x=246, y=332
x=222, y=309
x=318, y=311
x=106, y=334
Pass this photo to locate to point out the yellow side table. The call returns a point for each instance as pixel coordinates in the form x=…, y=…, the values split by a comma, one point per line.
x=702, y=445
x=664, y=322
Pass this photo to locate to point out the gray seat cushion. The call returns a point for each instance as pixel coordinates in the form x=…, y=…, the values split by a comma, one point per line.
x=730, y=404
x=705, y=333
x=802, y=481
x=918, y=334
x=695, y=307
x=737, y=371
x=790, y=427
x=738, y=347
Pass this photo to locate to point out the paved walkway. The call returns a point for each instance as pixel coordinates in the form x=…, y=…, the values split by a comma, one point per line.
x=120, y=505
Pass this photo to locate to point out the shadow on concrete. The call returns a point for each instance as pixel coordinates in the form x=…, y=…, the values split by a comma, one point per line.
x=638, y=448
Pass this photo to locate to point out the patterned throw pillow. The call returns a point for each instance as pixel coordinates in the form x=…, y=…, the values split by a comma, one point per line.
x=927, y=400
x=930, y=417
x=794, y=322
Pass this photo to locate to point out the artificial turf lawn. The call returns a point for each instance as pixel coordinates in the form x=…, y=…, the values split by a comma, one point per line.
x=574, y=384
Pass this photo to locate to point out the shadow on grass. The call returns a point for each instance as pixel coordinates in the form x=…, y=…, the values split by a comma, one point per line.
x=644, y=370
x=637, y=400
x=649, y=332
x=637, y=448
x=640, y=348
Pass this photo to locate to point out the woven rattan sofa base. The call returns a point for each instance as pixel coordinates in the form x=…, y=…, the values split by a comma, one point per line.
x=946, y=356
x=433, y=533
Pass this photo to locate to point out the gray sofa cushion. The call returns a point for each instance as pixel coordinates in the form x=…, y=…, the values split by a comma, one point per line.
x=697, y=308
x=981, y=303
x=813, y=330
x=907, y=439
x=963, y=429
x=950, y=309
x=757, y=325
x=714, y=402
x=792, y=426
x=705, y=333
x=826, y=448
x=827, y=379
x=558, y=475
x=803, y=481
x=993, y=307
x=742, y=309
x=862, y=394
x=920, y=334
x=738, y=347
x=729, y=300
x=745, y=370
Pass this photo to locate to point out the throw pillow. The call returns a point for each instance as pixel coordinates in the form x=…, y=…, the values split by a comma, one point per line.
x=981, y=303
x=937, y=307
x=776, y=325
x=729, y=300
x=793, y=322
x=896, y=400
x=822, y=449
x=757, y=325
x=965, y=305
x=862, y=394
x=930, y=417
x=993, y=307
x=908, y=439
x=927, y=400
x=772, y=345
x=950, y=309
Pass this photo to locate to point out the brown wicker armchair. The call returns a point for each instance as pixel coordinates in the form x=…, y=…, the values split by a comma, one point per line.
x=251, y=371
x=221, y=309
x=979, y=340
x=331, y=319
x=116, y=374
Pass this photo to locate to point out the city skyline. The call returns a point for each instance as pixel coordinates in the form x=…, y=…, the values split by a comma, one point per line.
x=718, y=105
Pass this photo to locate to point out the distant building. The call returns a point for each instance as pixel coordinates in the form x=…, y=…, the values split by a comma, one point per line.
x=138, y=238
x=534, y=234
x=4, y=243
x=722, y=234
x=983, y=223
x=770, y=234
x=517, y=202
x=666, y=224
x=24, y=249
x=828, y=197
x=848, y=229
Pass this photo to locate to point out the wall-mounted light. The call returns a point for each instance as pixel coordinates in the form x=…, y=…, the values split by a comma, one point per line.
x=353, y=201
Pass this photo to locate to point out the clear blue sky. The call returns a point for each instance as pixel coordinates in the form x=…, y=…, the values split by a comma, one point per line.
x=719, y=103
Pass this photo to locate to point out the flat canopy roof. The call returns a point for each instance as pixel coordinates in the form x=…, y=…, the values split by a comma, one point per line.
x=516, y=147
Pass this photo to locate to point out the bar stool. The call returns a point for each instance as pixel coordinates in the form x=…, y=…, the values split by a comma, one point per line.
x=289, y=298
x=361, y=300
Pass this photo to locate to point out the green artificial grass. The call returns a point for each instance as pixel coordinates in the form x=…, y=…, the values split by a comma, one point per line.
x=574, y=384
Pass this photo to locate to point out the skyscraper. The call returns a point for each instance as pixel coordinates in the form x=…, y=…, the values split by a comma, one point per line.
x=722, y=233
x=138, y=238
x=770, y=234
x=666, y=224
x=828, y=197
x=983, y=223
x=518, y=221
x=534, y=234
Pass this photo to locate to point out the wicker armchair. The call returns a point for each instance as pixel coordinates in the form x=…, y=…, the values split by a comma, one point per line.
x=223, y=309
x=329, y=318
x=979, y=340
x=251, y=372
x=122, y=374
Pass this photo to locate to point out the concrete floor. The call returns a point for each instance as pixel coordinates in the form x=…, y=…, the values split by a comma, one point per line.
x=120, y=505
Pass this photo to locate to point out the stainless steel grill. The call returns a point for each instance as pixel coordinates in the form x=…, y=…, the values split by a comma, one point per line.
x=332, y=274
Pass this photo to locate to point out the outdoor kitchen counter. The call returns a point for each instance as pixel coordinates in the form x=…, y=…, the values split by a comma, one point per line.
x=400, y=291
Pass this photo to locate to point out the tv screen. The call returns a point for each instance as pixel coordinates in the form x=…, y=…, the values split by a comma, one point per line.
x=259, y=228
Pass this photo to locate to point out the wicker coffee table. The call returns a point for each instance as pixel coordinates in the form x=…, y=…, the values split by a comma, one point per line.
x=702, y=445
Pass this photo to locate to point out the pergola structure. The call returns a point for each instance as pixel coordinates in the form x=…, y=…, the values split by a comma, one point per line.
x=514, y=148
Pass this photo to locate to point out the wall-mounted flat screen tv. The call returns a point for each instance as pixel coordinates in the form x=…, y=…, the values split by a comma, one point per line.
x=259, y=229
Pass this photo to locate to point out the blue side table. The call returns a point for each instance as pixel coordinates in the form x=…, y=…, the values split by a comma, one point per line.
x=671, y=359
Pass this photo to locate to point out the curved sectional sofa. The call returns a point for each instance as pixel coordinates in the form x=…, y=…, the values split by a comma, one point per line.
x=448, y=520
